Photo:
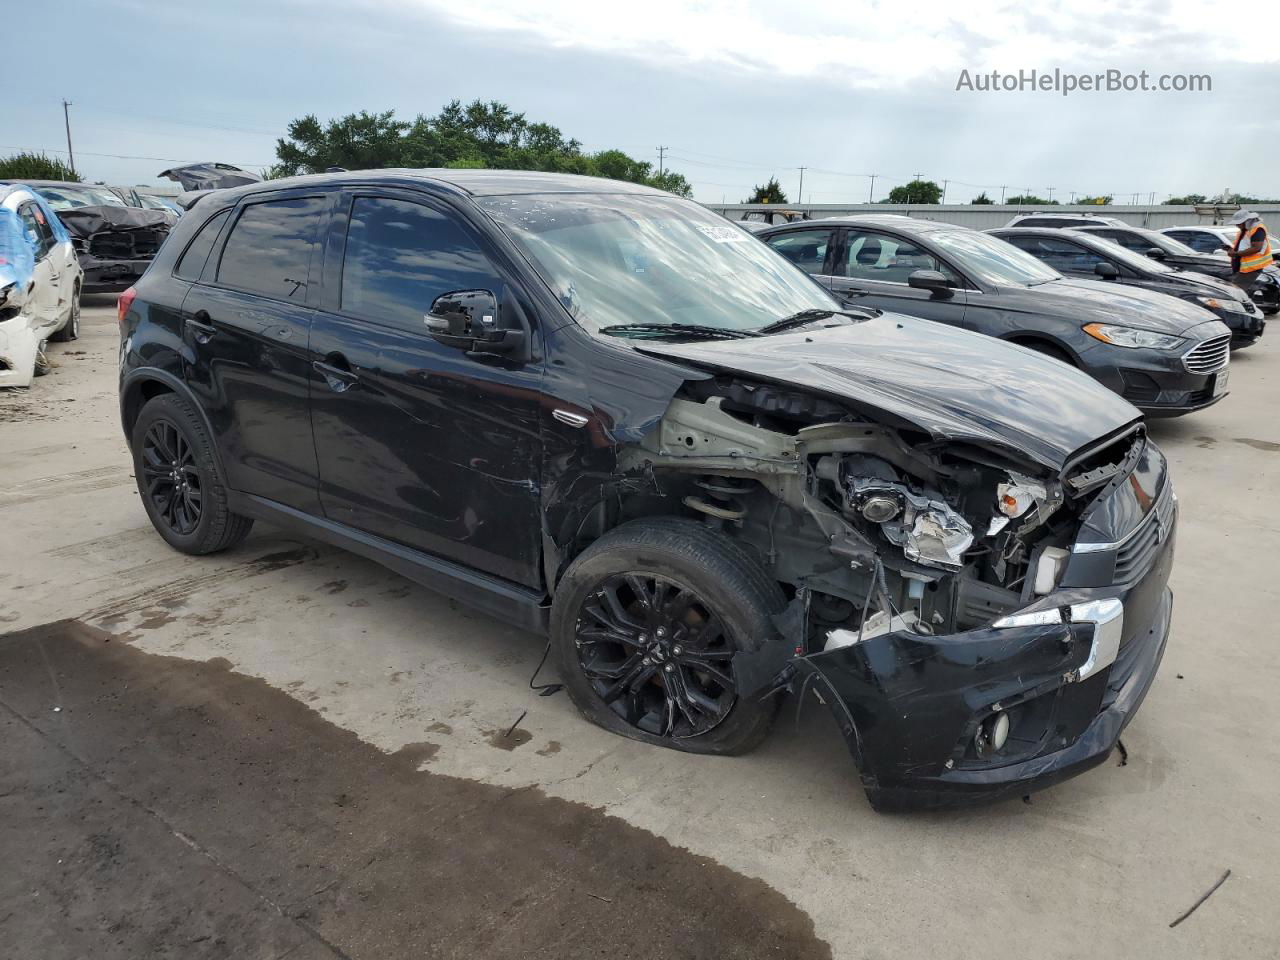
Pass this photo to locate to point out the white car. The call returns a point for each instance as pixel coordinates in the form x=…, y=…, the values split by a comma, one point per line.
x=40, y=281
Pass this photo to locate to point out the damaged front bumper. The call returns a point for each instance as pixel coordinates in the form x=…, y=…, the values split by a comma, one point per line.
x=1068, y=672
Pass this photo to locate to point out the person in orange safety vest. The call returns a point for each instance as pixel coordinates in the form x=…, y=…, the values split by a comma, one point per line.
x=1251, y=251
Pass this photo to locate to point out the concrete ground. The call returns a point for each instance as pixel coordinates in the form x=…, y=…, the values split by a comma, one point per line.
x=287, y=750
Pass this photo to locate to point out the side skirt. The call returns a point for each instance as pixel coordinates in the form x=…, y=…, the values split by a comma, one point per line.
x=506, y=601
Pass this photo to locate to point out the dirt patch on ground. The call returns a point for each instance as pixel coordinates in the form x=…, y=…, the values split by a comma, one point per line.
x=157, y=806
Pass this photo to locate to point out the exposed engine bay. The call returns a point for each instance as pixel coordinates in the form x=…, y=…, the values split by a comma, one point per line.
x=874, y=528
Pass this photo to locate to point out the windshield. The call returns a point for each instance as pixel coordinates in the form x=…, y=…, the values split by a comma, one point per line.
x=992, y=259
x=1129, y=258
x=623, y=259
x=68, y=198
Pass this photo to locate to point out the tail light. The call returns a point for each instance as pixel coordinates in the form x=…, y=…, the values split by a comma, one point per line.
x=123, y=305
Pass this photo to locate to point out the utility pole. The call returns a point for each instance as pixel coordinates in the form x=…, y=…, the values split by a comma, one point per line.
x=66, y=118
x=662, y=157
x=800, y=192
x=871, y=194
x=1002, y=189
x=1073, y=197
x=1051, y=189
x=944, y=190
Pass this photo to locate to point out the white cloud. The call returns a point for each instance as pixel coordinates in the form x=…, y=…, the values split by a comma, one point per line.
x=890, y=44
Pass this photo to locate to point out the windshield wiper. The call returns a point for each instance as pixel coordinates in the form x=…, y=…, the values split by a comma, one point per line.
x=810, y=316
x=681, y=329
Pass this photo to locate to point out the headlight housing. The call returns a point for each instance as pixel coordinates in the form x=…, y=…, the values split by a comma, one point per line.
x=1131, y=336
x=1230, y=306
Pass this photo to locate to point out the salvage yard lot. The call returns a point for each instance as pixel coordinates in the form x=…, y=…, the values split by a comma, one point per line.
x=286, y=749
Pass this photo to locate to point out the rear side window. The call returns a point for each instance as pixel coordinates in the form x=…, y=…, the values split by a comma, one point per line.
x=41, y=234
x=269, y=250
x=400, y=256
x=192, y=260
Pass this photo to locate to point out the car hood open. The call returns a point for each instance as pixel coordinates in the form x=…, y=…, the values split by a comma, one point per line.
x=949, y=383
x=1104, y=301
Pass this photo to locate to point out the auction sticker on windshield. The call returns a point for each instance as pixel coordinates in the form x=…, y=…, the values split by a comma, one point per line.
x=723, y=234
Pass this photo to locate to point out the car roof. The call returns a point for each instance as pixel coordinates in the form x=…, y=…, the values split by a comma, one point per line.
x=889, y=220
x=1054, y=232
x=475, y=183
x=55, y=183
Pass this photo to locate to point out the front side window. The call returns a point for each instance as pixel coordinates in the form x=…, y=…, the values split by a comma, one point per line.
x=192, y=261
x=991, y=259
x=401, y=256
x=269, y=250
x=1060, y=254
x=807, y=249
x=878, y=256
x=616, y=259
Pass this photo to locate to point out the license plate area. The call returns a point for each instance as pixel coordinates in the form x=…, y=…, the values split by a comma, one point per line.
x=1220, y=381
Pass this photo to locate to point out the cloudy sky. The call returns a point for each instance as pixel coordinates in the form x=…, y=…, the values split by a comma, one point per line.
x=737, y=91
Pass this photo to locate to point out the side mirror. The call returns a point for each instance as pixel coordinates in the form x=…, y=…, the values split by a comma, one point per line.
x=471, y=320
x=931, y=280
x=1155, y=253
x=1107, y=271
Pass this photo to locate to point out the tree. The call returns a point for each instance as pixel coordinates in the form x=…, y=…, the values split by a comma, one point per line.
x=771, y=192
x=1101, y=200
x=474, y=135
x=917, y=191
x=1190, y=200
x=1031, y=200
x=35, y=166
x=981, y=198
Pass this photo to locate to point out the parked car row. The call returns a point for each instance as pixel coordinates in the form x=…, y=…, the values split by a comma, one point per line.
x=605, y=414
x=1166, y=356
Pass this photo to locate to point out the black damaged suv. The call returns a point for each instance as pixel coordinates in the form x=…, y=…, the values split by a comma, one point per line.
x=607, y=415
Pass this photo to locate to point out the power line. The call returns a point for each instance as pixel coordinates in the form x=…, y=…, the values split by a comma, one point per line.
x=125, y=156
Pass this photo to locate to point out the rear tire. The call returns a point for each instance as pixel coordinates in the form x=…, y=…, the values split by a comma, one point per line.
x=179, y=479
x=644, y=626
x=71, y=329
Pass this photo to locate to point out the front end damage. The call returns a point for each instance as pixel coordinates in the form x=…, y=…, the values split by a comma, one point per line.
x=979, y=622
x=115, y=245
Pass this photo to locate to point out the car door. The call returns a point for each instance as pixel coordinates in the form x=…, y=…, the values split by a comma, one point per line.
x=245, y=326
x=810, y=249
x=43, y=301
x=418, y=442
x=872, y=267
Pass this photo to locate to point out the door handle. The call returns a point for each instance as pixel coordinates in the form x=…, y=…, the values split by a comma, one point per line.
x=338, y=375
x=200, y=326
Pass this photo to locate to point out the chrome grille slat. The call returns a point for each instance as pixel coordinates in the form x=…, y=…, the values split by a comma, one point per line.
x=1209, y=355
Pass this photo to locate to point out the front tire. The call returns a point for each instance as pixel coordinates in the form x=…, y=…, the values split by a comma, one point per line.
x=645, y=625
x=179, y=481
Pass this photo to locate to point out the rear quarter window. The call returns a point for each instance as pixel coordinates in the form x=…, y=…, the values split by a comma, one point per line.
x=191, y=263
x=269, y=249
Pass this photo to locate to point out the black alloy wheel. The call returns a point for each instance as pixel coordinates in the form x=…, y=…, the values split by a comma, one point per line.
x=656, y=655
x=170, y=477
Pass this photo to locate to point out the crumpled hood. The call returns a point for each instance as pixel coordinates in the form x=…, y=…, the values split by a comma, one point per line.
x=950, y=383
x=84, y=222
x=1103, y=301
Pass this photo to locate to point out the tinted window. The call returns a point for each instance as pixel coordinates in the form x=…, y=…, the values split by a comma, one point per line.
x=1199, y=240
x=1130, y=241
x=991, y=259
x=269, y=250
x=197, y=252
x=877, y=256
x=400, y=256
x=1060, y=254
x=807, y=249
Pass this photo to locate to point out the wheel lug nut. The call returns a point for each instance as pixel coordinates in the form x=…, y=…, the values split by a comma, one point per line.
x=669, y=667
x=647, y=661
x=677, y=650
x=661, y=632
x=644, y=638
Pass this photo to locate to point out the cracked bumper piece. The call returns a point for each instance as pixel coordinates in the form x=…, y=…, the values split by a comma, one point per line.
x=1068, y=676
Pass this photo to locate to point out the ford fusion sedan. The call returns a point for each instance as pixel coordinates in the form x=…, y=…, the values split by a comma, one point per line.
x=1165, y=356
x=1215, y=241
x=1087, y=256
x=605, y=414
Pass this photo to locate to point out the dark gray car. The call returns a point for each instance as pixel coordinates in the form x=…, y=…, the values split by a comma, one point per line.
x=1076, y=253
x=1166, y=356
